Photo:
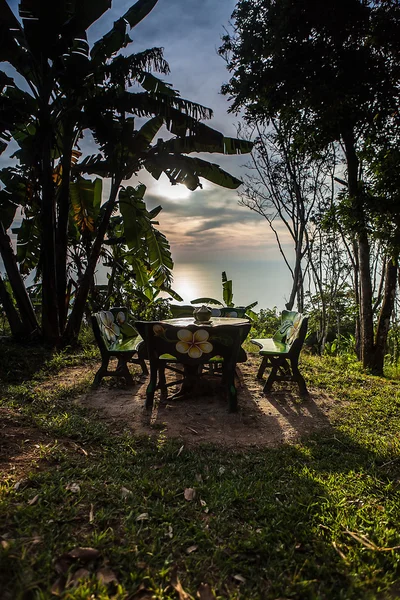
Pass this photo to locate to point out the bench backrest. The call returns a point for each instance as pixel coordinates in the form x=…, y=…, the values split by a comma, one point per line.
x=111, y=327
x=192, y=344
x=181, y=310
x=293, y=329
x=229, y=311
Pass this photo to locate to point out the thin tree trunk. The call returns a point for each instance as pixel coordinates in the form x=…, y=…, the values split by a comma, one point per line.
x=62, y=231
x=75, y=318
x=365, y=304
x=389, y=296
x=16, y=326
x=50, y=320
x=27, y=314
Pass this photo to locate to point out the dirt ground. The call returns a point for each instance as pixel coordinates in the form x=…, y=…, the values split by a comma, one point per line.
x=262, y=420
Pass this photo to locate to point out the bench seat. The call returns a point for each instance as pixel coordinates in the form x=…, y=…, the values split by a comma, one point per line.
x=117, y=338
x=271, y=346
x=281, y=352
x=126, y=345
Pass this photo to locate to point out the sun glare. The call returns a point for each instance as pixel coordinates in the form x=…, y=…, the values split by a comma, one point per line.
x=164, y=189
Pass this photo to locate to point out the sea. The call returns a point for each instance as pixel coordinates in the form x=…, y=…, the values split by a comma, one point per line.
x=265, y=282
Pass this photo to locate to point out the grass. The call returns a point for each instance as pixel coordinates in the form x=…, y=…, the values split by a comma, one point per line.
x=318, y=519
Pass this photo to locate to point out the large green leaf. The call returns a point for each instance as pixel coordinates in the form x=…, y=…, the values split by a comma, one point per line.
x=179, y=115
x=134, y=215
x=187, y=170
x=139, y=11
x=156, y=86
x=206, y=301
x=117, y=37
x=28, y=244
x=160, y=256
x=227, y=293
x=140, y=270
x=196, y=143
x=85, y=203
x=85, y=14
x=7, y=209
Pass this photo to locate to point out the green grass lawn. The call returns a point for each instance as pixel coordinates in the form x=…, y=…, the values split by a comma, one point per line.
x=319, y=519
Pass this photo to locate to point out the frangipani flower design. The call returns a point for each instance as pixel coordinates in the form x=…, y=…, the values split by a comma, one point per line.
x=293, y=331
x=158, y=330
x=110, y=329
x=193, y=343
x=120, y=318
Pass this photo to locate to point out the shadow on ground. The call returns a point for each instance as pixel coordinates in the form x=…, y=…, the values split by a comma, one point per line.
x=262, y=420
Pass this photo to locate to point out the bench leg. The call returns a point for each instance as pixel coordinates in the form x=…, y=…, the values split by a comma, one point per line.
x=123, y=371
x=262, y=368
x=229, y=382
x=298, y=377
x=162, y=382
x=145, y=370
x=101, y=372
x=151, y=388
x=272, y=376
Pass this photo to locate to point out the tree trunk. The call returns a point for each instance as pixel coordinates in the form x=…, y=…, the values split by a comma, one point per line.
x=297, y=286
x=27, y=314
x=16, y=326
x=62, y=231
x=389, y=296
x=50, y=320
x=75, y=319
x=365, y=304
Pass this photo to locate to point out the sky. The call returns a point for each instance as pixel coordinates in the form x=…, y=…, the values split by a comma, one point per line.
x=205, y=224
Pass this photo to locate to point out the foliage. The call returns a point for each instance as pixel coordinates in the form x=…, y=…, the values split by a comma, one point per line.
x=267, y=322
x=72, y=89
x=330, y=72
x=333, y=496
x=227, y=295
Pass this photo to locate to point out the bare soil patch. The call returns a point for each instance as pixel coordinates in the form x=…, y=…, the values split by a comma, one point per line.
x=262, y=420
x=20, y=444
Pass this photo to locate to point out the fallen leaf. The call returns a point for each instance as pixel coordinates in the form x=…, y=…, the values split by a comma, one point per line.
x=125, y=492
x=58, y=586
x=180, y=450
x=106, y=576
x=239, y=578
x=221, y=470
x=91, y=517
x=176, y=584
x=77, y=576
x=73, y=487
x=84, y=554
x=33, y=500
x=142, y=593
x=170, y=532
x=19, y=483
x=62, y=564
x=203, y=502
x=205, y=592
x=5, y=545
x=37, y=539
x=368, y=544
x=190, y=494
x=191, y=549
x=142, y=517
x=192, y=430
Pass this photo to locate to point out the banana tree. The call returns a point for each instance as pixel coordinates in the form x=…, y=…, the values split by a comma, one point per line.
x=227, y=295
x=71, y=88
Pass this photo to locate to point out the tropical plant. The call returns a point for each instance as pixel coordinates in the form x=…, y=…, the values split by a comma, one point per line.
x=333, y=70
x=227, y=295
x=71, y=88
